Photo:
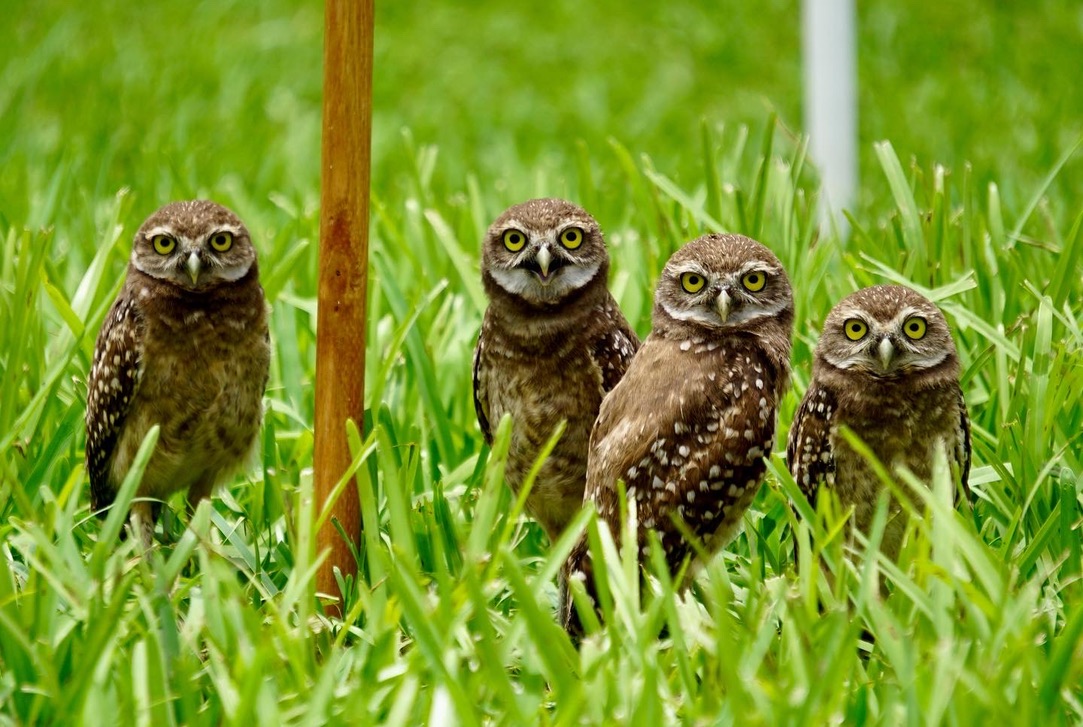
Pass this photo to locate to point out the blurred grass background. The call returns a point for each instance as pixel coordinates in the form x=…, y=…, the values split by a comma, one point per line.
x=660, y=118
x=209, y=95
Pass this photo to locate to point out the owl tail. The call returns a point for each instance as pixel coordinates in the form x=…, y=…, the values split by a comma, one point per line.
x=579, y=567
x=102, y=496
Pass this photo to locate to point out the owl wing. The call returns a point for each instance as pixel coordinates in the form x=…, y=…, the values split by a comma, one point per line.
x=687, y=433
x=808, y=450
x=629, y=420
x=614, y=349
x=962, y=447
x=114, y=378
x=481, y=396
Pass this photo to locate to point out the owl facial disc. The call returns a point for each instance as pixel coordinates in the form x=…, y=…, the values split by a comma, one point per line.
x=544, y=265
x=544, y=277
x=910, y=336
x=542, y=251
x=210, y=250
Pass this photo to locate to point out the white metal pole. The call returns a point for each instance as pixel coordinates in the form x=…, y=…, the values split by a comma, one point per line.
x=830, y=77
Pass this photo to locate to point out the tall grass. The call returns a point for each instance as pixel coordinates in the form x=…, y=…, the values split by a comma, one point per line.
x=450, y=617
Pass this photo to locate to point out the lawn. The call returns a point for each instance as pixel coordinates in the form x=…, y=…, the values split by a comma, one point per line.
x=665, y=121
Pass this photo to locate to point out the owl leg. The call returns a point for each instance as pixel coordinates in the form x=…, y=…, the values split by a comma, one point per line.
x=198, y=492
x=564, y=596
x=142, y=522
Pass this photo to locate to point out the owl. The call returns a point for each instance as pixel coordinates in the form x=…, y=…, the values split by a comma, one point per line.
x=553, y=342
x=184, y=346
x=688, y=427
x=886, y=367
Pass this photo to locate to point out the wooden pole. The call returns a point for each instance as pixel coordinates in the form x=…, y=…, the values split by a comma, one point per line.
x=344, y=226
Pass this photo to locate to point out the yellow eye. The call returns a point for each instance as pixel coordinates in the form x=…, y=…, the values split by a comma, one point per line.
x=163, y=244
x=855, y=329
x=692, y=282
x=914, y=328
x=571, y=238
x=222, y=241
x=514, y=240
x=754, y=281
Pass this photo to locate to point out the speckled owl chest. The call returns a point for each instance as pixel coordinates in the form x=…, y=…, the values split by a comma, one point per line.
x=202, y=375
x=900, y=431
x=538, y=389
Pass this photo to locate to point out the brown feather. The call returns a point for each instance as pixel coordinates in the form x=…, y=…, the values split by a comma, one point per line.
x=902, y=412
x=546, y=358
x=189, y=356
x=688, y=427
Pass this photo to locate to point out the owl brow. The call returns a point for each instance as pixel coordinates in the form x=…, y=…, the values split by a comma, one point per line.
x=870, y=321
x=510, y=225
x=757, y=266
x=161, y=230
x=908, y=312
x=689, y=267
x=846, y=314
x=581, y=224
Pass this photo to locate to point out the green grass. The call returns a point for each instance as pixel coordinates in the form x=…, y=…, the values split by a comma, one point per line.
x=665, y=122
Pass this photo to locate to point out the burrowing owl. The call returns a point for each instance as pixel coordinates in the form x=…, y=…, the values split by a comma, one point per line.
x=886, y=367
x=553, y=342
x=689, y=425
x=185, y=346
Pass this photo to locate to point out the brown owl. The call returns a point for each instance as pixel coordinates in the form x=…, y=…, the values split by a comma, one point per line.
x=886, y=367
x=553, y=342
x=185, y=346
x=689, y=425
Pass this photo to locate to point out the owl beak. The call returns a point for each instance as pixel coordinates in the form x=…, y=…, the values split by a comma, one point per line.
x=723, y=304
x=193, y=266
x=544, y=258
x=887, y=352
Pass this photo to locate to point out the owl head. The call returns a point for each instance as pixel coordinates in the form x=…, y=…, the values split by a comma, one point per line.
x=886, y=332
x=719, y=284
x=196, y=246
x=542, y=251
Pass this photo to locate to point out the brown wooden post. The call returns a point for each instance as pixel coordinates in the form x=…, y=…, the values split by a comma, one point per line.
x=344, y=226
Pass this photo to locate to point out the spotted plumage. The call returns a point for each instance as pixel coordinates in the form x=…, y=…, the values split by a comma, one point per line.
x=886, y=367
x=184, y=346
x=552, y=343
x=689, y=425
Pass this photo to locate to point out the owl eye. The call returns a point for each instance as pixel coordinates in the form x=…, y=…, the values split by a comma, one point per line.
x=692, y=282
x=754, y=281
x=855, y=329
x=222, y=241
x=914, y=328
x=163, y=244
x=571, y=238
x=514, y=240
